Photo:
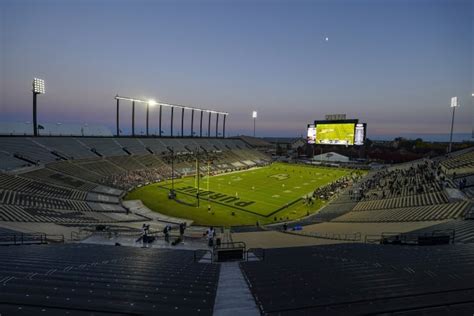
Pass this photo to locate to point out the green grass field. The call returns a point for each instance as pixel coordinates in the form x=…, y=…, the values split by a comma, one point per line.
x=242, y=198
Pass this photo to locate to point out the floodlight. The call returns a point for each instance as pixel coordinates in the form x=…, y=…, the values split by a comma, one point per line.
x=254, y=114
x=38, y=86
x=454, y=102
x=152, y=102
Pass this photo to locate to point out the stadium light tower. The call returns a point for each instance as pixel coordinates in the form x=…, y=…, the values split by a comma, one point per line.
x=454, y=104
x=254, y=116
x=38, y=88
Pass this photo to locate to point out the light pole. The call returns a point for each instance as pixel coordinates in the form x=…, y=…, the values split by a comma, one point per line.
x=38, y=88
x=117, y=116
x=223, y=126
x=254, y=116
x=133, y=118
x=454, y=104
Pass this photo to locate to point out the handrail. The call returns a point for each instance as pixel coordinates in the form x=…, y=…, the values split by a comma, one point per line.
x=410, y=237
x=7, y=239
x=372, y=239
x=231, y=244
x=328, y=235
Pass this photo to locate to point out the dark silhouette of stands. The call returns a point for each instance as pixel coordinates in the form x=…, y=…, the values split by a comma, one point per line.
x=464, y=230
x=355, y=279
x=104, y=280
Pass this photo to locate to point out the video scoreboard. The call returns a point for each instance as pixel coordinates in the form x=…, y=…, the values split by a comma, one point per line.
x=337, y=132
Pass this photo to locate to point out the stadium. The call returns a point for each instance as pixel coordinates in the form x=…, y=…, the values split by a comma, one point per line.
x=163, y=208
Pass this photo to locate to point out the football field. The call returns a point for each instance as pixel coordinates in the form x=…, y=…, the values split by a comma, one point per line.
x=268, y=194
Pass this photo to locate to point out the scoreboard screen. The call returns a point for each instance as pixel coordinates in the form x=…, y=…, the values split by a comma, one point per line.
x=337, y=132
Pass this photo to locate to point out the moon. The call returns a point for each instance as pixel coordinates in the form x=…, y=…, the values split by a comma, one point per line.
x=326, y=39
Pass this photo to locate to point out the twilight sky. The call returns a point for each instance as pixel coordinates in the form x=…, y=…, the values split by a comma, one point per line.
x=391, y=63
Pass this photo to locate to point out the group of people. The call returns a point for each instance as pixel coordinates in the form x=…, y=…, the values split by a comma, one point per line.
x=133, y=178
x=419, y=178
x=329, y=190
x=146, y=237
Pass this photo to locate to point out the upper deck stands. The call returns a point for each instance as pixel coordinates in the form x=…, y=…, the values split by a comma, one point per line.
x=133, y=145
x=66, y=146
x=8, y=162
x=104, y=146
x=25, y=147
x=155, y=145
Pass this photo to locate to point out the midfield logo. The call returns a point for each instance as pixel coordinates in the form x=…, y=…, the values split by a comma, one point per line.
x=280, y=176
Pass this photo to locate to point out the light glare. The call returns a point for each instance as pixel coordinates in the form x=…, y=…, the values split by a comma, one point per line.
x=38, y=86
x=454, y=102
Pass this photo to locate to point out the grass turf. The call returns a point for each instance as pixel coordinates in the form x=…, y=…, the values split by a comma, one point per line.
x=267, y=194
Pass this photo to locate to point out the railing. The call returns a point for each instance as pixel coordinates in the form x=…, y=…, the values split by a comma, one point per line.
x=230, y=245
x=328, y=235
x=372, y=239
x=397, y=238
x=80, y=235
x=29, y=239
x=58, y=238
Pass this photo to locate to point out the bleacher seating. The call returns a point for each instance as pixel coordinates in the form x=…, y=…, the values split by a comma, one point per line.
x=17, y=213
x=102, y=167
x=92, y=279
x=20, y=184
x=9, y=162
x=461, y=162
x=25, y=147
x=126, y=162
x=361, y=279
x=76, y=170
x=68, y=146
x=155, y=145
x=57, y=178
x=405, y=201
x=29, y=200
x=133, y=145
x=149, y=161
x=408, y=214
x=104, y=146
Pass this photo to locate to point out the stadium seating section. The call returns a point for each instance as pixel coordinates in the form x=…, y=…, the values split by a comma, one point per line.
x=405, y=193
x=361, y=279
x=460, y=162
x=104, y=280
